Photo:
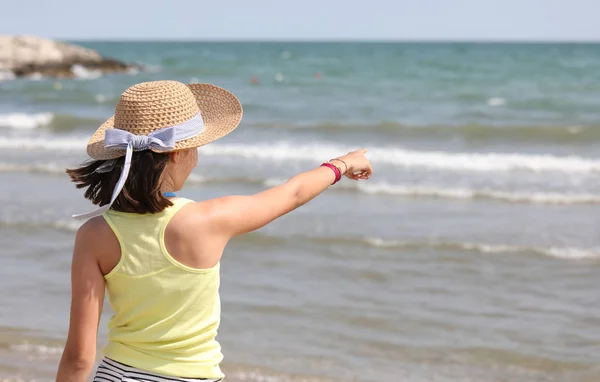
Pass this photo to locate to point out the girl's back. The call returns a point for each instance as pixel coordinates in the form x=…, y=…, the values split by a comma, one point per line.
x=166, y=313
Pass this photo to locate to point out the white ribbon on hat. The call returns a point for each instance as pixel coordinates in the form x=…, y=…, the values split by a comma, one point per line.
x=160, y=140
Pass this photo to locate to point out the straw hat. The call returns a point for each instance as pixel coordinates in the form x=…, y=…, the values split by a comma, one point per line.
x=150, y=106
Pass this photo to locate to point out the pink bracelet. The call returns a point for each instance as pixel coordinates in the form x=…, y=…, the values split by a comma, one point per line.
x=338, y=173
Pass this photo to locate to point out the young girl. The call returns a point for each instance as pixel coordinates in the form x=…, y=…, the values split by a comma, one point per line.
x=157, y=255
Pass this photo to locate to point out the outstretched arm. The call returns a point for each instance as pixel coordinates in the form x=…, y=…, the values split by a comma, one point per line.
x=235, y=215
x=87, y=298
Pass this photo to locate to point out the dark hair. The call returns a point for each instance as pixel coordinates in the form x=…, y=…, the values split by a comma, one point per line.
x=141, y=193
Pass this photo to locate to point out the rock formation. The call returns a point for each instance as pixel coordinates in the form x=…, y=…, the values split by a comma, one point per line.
x=23, y=56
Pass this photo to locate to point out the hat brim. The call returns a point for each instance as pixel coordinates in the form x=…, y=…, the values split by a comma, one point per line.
x=221, y=113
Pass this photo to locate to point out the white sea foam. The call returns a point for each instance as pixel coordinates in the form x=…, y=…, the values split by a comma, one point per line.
x=496, y=101
x=196, y=179
x=100, y=98
x=34, y=167
x=152, y=68
x=572, y=253
x=72, y=144
x=25, y=121
x=477, y=162
x=60, y=225
x=36, y=76
x=27, y=347
x=66, y=225
x=133, y=71
x=419, y=191
x=569, y=253
x=435, y=160
x=533, y=197
x=84, y=73
x=467, y=193
x=7, y=75
x=254, y=376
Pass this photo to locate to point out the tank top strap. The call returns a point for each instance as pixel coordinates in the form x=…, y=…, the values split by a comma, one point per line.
x=178, y=204
x=141, y=238
x=168, y=214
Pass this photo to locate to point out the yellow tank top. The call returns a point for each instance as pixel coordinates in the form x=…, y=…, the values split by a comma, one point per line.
x=166, y=314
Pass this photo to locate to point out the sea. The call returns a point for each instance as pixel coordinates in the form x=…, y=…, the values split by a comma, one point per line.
x=471, y=255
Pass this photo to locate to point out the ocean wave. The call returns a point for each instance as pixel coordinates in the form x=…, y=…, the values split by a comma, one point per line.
x=72, y=144
x=566, y=253
x=27, y=347
x=59, y=225
x=50, y=121
x=399, y=157
x=149, y=68
x=496, y=101
x=7, y=75
x=25, y=121
x=376, y=188
x=81, y=72
x=534, y=197
x=467, y=193
x=573, y=253
x=470, y=132
x=437, y=160
x=101, y=98
x=32, y=168
x=35, y=76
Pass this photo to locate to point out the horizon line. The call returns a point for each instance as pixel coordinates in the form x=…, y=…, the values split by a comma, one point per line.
x=322, y=40
x=348, y=40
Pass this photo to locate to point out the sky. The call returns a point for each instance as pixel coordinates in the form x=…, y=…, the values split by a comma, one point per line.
x=546, y=20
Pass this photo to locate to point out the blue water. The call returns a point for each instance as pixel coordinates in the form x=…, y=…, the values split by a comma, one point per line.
x=471, y=255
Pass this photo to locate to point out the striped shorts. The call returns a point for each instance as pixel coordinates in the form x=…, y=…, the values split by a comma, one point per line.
x=113, y=371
